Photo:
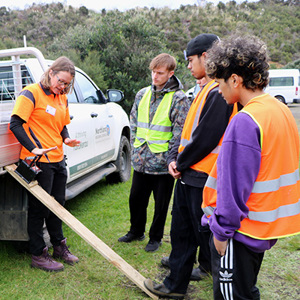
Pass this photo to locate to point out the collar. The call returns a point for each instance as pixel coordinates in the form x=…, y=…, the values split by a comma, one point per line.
x=45, y=90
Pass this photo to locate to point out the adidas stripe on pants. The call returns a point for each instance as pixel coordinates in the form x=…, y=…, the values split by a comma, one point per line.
x=235, y=273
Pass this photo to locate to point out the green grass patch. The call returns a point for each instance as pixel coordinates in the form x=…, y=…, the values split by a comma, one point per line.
x=104, y=210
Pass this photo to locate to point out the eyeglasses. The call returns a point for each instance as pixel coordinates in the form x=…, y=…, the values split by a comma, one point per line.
x=64, y=84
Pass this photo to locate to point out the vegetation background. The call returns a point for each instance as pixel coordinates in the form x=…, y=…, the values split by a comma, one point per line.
x=115, y=47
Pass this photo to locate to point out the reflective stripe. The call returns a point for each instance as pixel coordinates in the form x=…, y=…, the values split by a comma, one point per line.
x=208, y=210
x=264, y=186
x=158, y=142
x=211, y=182
x=185, y=142
x=272, y=215
x=154, y=127
x=266, y=216
x=141, y=139
x=161, y=128
x=216, y=150
x=275, y=184
x=142, y=125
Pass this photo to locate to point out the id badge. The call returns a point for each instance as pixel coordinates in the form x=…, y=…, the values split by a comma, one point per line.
x=50, y=110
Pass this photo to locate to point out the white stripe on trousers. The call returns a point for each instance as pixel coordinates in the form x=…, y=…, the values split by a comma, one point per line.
x=227, y=263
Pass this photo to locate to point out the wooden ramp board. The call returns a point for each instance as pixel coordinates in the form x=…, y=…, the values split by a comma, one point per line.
x=82, y=231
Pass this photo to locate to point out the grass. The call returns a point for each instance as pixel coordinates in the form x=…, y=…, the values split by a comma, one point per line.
x=104, y=210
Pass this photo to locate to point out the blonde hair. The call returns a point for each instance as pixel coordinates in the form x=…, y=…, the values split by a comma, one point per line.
x=62, y=64
x=161, y=60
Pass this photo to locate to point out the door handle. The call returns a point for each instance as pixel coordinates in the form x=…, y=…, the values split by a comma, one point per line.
x=94, y=115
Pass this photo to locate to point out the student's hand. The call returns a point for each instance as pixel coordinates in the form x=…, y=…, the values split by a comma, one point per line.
x=173, y=171
x=38, y=151
x=72, y=143
x=220, y=246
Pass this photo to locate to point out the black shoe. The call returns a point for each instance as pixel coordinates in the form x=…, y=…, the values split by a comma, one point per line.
x=129, y=237
x=152, y=246
x=198, y=274
x=165, y=261
x=161, y=290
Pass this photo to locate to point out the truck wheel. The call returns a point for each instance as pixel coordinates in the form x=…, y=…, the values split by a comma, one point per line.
x=122, y=163
x=280, y=98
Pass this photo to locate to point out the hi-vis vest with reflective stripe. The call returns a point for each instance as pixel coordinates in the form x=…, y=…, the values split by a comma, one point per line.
x=191, y=122
x=157, y=134
x=274, y=205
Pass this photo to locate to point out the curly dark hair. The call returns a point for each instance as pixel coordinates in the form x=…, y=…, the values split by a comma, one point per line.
x=245, y=56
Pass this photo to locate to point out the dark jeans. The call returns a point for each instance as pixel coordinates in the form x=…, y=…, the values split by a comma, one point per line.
x=235, y=273
x=53, y=180
x=141, y=188
x=186, y=235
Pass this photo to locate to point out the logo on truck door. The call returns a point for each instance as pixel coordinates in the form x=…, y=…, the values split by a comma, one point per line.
x=102, y=132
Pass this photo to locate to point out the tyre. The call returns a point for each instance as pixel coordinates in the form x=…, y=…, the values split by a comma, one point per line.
x=123, y=163
x=280, y=98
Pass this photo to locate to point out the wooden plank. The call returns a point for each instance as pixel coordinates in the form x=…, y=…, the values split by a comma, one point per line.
x=82, y=231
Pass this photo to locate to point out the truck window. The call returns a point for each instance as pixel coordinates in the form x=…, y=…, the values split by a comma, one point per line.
x=72, y=98
x=7, y=87
x=281, y=81
x=88, y=90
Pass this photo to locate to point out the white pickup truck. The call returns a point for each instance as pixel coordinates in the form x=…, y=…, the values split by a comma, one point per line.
x=100, y=124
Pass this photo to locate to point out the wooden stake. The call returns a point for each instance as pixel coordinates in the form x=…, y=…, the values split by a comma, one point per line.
x=82, y=231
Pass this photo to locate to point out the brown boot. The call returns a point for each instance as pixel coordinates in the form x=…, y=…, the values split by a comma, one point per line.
x=46, y=263
x=63, y=252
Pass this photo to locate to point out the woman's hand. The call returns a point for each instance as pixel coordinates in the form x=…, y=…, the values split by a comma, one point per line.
x=71, y=143
x=40, y=152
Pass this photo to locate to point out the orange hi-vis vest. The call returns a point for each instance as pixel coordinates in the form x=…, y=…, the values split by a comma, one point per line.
x=191, y=122
x=274, y=205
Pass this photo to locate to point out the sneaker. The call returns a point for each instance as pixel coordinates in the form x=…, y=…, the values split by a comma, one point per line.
x=129, y=237
x=45, y=262
x=152, y=246
x=62, y=252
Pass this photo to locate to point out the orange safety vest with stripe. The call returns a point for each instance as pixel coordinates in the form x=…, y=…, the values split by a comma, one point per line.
x=274, y=205
x=157, y=133
x=191, y=122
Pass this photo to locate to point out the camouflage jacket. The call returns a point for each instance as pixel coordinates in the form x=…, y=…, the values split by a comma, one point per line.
x=143, y=160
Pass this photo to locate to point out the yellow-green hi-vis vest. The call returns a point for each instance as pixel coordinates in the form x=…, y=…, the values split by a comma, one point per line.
x=158, y=133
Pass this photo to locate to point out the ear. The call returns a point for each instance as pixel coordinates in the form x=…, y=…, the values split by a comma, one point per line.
x=171, y=73
x=236, y=80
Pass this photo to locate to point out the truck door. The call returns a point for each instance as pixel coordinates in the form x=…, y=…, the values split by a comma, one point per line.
x=92, y=125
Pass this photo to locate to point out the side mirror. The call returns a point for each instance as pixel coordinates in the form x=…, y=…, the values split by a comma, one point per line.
x=115, y=95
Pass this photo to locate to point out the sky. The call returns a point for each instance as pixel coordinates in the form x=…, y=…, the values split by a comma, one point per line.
x=98, y=5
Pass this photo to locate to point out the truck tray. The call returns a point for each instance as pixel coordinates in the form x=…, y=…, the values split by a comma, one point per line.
x=9, y=146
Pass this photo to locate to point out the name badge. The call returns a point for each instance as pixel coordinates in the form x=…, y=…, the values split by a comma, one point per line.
x=50, y=110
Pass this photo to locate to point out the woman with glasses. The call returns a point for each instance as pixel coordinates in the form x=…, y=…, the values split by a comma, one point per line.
x=39, y=121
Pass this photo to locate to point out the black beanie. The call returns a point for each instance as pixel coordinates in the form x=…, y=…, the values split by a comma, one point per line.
x=201, y=43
